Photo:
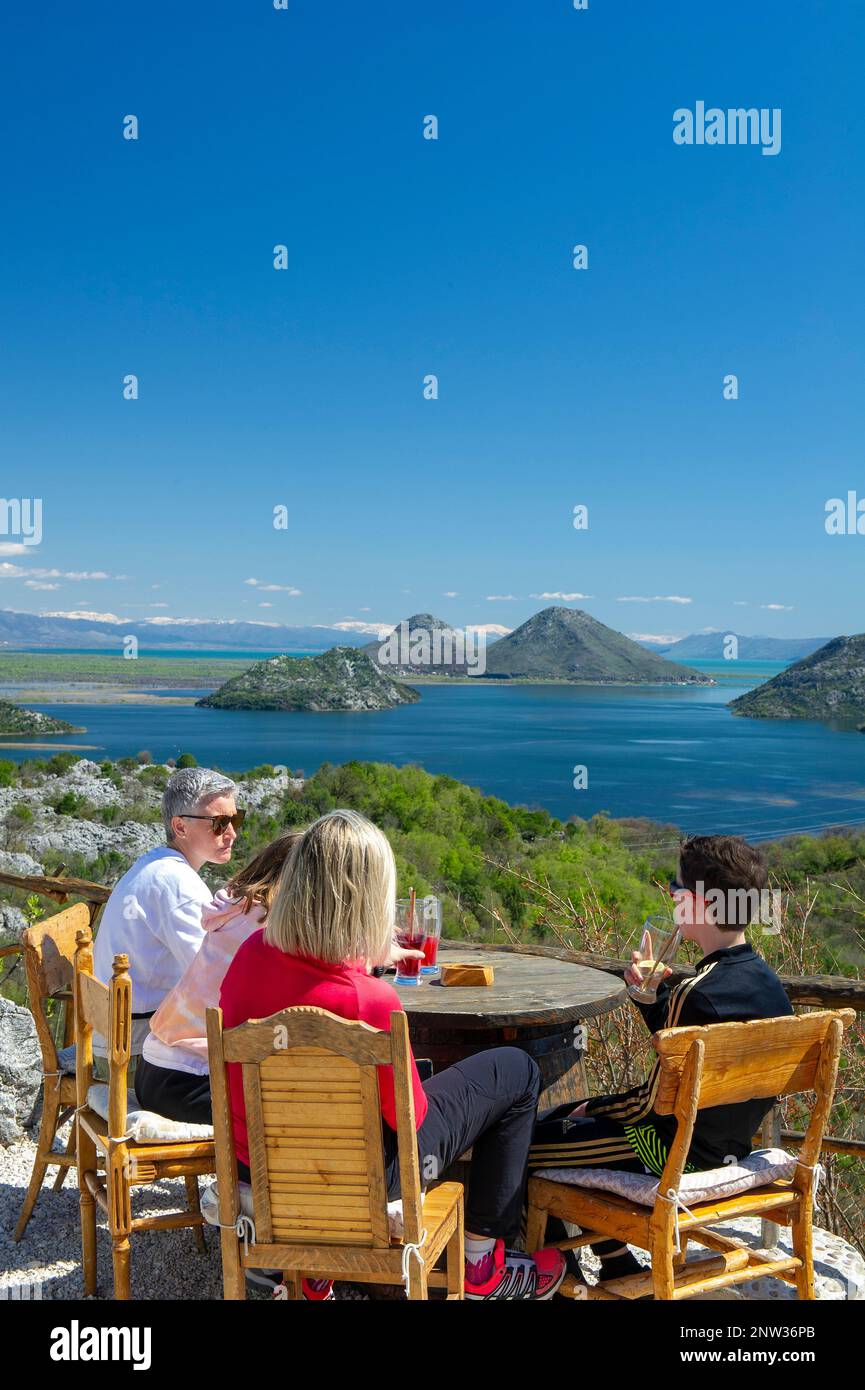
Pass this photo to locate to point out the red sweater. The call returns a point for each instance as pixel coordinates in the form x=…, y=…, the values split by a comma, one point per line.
x=261, y=980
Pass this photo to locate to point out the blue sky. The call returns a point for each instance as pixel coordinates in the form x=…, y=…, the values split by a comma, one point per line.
x=557, y=387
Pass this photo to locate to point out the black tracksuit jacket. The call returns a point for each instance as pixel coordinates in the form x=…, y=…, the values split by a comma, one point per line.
x=733, y=985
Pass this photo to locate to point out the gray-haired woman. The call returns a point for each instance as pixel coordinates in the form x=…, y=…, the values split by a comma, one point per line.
x=154, y=913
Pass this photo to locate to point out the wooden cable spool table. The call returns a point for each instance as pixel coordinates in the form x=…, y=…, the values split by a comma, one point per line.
x=534, y=1003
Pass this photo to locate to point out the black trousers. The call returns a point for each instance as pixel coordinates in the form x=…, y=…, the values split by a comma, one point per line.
x=587, y=1142
x=487, y=1103
x=178, y=1095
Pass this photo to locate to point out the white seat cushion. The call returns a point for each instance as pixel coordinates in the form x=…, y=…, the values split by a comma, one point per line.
x=760, y=1167
x=145, y=1126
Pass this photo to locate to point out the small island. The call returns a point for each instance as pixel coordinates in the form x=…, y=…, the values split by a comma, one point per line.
x=15, y=720
x=828, y=685
x=342, y=679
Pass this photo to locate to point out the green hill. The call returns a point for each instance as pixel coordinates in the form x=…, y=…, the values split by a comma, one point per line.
x=15, y=719
x=566, y=644
x=828, y=685
x=342, y=679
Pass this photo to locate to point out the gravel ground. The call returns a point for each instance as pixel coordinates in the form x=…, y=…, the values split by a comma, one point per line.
x=164, y=1264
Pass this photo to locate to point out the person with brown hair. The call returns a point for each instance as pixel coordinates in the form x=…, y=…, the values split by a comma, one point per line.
x=719, y=891
x=172, y=1076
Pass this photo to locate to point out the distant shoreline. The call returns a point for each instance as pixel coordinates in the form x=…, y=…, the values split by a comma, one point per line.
x=99, y=694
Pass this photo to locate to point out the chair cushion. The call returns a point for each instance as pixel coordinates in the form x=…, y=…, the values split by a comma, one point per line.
x=145, y=1126
x=760, y=1167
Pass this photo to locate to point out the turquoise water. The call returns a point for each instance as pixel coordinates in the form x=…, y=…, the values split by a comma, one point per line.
x=670, y=753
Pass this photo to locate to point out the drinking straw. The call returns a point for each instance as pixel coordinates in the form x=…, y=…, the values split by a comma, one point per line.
x=411, y=900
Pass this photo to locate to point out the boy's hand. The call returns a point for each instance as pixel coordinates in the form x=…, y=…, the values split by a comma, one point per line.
x=639, y=969
x=579, y=1112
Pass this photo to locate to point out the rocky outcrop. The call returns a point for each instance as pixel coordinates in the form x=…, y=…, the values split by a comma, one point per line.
x=20, y=1070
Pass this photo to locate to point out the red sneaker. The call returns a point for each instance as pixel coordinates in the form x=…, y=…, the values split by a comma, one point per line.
x=517, y=1275
x=318, y=1290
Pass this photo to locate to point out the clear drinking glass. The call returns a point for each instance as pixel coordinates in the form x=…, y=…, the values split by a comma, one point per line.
x=658, y=946
x=431, y=914
x=409, y=933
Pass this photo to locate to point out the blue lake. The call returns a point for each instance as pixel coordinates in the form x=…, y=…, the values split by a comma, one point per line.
x=670, y=753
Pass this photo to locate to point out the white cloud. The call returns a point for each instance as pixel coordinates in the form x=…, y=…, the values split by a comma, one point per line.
x=489, y=628
x=265, y=605
x=661, y=639
x=450, y=593
x=501, y=598
x=157, y=605
x=39, y=584
x=15, y=548
x=567, y=598
x=778, y=607
x=273, y=588
x=741, y=603
x=364, y=610
x=9, y=571
x=654, y=598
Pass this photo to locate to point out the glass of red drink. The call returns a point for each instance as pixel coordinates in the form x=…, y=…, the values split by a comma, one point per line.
x=431, y=912
x=409, y=934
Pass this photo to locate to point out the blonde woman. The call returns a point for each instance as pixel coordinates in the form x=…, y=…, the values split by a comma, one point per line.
x=333, y=913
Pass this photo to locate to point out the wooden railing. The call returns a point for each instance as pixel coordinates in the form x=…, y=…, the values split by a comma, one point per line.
x=58, y=887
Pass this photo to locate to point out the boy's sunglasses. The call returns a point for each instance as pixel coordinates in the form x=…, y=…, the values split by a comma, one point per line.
x=675, y=887
x=219, y=824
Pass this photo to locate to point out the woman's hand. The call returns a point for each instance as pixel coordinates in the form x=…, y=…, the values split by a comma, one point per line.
x=398, y=953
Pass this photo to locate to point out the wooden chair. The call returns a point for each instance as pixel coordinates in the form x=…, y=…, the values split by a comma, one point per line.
x=698, y=1068
x=49, y=964
x=107, y=1009
x=316, y=1157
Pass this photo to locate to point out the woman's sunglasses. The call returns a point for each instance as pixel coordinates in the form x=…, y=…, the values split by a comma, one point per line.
x=219, y=824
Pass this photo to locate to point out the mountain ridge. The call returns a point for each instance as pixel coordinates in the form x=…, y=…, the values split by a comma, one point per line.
x=711, y=646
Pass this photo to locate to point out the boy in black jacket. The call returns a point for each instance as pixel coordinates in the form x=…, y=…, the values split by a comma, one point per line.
x=719, y=891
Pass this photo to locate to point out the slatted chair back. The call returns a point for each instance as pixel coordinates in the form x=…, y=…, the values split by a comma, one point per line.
x=49, y=964
x=313, y=1116
x=107, y=1010
x=747, y=1061
x=727, y=1063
